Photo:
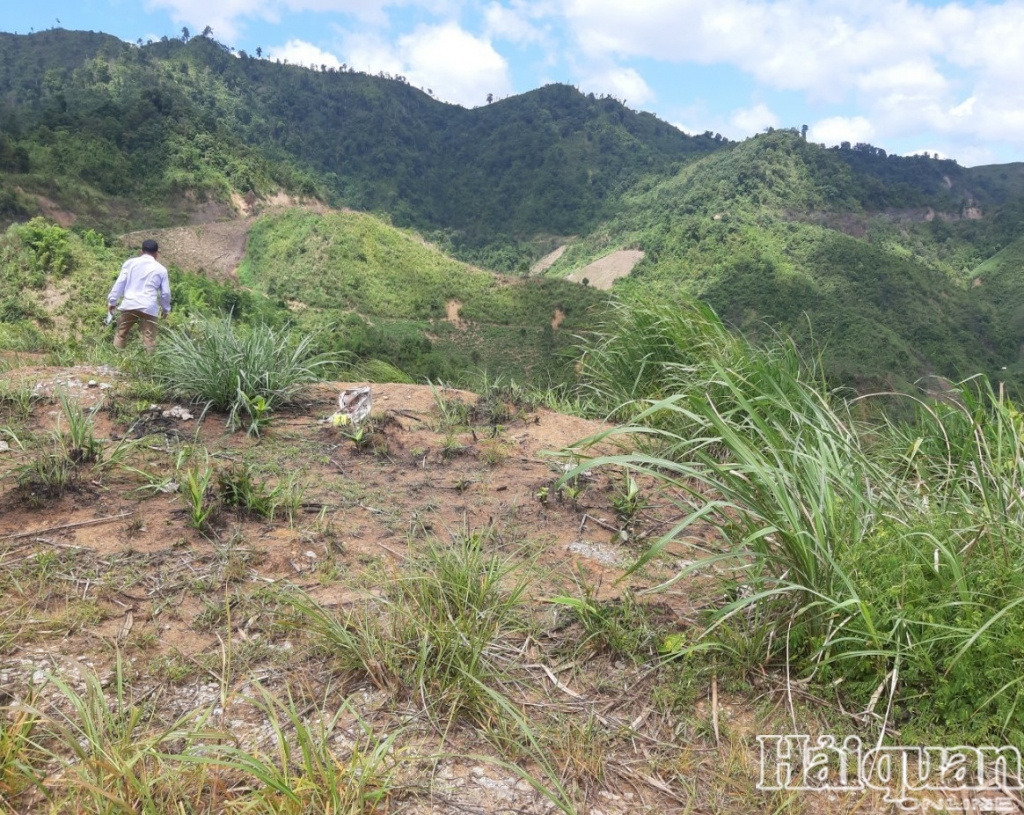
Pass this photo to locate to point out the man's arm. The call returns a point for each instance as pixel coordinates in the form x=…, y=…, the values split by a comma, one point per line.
x=165, y=294
x=117, y=291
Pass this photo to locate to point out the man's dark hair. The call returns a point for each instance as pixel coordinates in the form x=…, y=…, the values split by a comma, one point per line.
x=149, y=247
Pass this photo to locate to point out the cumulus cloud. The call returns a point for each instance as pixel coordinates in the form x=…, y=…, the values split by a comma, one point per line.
x=837, y=129
x=453, y=63
x=517, y=23
x=227, y=17
x=221, y=15
x=746, y=121
x=373, y=54
x=910, y=67
x=622, y=83
x=821, y=48
x=300, y=52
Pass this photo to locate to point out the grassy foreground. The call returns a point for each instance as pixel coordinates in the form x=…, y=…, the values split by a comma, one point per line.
x=863, y=574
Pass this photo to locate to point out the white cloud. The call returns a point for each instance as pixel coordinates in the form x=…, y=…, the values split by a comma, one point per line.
x=837, y=129
x=463, y=68
x=517, y=24
x=973, y=156
x=221, y=15
x=965, y=109
x=919, y=76
x=622, y=83
x=818, y=47
x=300, y=52
x=909, y=66
x=747, y=121
x=373, y=54
x=986, y=38
x=453, y=63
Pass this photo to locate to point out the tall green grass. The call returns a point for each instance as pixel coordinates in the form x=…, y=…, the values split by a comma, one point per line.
x=113, y=755
x=885, y=558
x=108, y=752
x=244, y=371
x=645, y=350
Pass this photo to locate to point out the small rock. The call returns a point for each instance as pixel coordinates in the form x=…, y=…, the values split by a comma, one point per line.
x=38, y=677
x=105, y=385
x=4, y=447
x=93, y=383
x=311, y=554
x=177, y=412
x=477, y=771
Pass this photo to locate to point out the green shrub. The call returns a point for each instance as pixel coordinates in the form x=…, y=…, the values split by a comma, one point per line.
x=49, y=244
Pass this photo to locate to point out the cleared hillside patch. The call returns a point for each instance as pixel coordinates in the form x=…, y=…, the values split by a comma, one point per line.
x=602, y=273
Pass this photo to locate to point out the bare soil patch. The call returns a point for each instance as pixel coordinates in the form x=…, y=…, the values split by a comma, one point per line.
x=452, y=309
x=215, y=248
x=547, y=261
x=52, y=210
x=604, y=271
x=215, y=242
x=113, y=566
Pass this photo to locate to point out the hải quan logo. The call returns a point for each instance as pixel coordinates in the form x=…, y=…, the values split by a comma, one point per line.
x=908, y=776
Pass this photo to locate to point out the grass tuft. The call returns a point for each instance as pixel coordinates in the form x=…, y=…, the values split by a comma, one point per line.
x=245, y=372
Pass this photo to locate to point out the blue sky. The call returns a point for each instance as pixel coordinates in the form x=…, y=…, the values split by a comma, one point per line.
x=940, y=77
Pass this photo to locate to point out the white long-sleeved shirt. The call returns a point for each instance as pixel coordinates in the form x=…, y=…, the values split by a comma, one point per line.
x=144, y=286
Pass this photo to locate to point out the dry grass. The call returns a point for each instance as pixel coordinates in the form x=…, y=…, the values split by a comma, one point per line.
x=149, y=664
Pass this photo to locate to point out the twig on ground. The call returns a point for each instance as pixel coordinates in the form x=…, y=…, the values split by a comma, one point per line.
x=77, y=525
x=714, y=707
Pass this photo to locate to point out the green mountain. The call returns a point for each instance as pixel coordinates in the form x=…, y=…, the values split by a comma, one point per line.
x=90, y=117
x=894, y=267
x=873, y=257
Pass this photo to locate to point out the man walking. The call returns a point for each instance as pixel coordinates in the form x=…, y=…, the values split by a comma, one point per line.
x=146, y=292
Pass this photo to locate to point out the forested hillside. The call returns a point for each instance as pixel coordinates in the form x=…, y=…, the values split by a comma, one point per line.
x=890, y=267
x=87, y=117
x=872, y=259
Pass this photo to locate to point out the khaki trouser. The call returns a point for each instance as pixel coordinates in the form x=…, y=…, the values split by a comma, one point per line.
x=147, y=324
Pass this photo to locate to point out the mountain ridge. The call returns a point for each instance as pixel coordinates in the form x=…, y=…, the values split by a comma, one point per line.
x=873, y=252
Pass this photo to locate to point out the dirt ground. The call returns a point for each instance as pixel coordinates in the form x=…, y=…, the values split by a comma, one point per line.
x=606, y=270
x=214, y=243
x=114, y=567
x=547, y=261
